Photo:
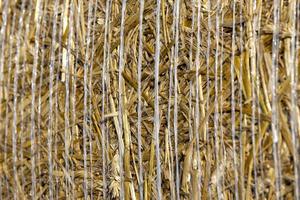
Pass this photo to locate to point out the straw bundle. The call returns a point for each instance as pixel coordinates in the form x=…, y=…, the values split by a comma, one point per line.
x=216, y=115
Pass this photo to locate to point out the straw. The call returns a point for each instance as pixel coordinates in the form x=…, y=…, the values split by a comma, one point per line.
x=161, y=99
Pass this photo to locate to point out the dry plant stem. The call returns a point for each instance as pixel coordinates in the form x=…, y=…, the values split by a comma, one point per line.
x=65, y=22
x=171, y=167
x=171, y=88
x=191, y=67
x=57, y=100
x=7, y=96
x=19, y=189
x=140, y=54
x=3, y=45
x=241, y=167
x=232, y=80
x=216, y=112
x=22, y=128
x=68, y=21
x=294, y=15
x=170, y=94
x=207, y=175
x=177, y=3
x=252, y=37
x=156, y=101
x=90, y=111
x=33, y=90
x=223, y=152
x=74, y=82
x=104, y=93
x=188, y=179
x=274, y=79
x=87, y=67
x=258, y=96
x=124, y=187
x=190, y=116
x=40, y=90
x=50, y=123
x=199, y=98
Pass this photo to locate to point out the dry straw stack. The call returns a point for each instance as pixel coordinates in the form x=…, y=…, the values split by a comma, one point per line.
x=70, y=110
